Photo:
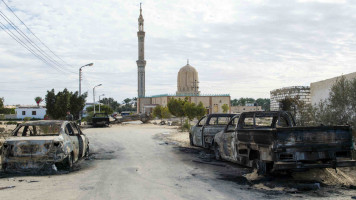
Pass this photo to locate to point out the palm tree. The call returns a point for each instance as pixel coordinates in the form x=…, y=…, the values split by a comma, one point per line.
x=38, y=100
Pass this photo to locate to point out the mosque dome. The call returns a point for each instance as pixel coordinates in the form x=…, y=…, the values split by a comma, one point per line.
x=187, y=81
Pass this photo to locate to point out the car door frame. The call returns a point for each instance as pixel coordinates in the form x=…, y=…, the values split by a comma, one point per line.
x=199, y=132
x=73, y=141
x=81, y=140
x=229, y=138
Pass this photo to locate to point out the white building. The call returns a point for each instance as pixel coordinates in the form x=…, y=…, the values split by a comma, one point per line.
x=319, y=91
x=30, y=111
x=301, y=92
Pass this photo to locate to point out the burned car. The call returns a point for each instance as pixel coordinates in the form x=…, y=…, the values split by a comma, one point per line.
x=34, y=145
x=271, y=141
x=202, y=134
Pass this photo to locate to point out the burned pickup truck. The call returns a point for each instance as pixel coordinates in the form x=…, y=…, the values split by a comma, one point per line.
x=100, y=119
x=202, y=134
x=35, y=145
x=270, y=141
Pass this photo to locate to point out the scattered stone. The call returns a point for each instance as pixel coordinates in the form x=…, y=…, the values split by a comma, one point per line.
x=7, y=187
x=32, y=181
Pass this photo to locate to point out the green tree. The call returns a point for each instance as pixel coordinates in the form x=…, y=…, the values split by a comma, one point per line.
x=103, y=109
x=175, y=107
x=340, y=107
x=2, y=102
x=225, y=108
x=200, y=109
x=190, y=110
x=115, y=106
x=59, y=104
x=161, y=112
x=50, y=100
x=165, y=113
x=264, y=103
x=157, y=112
x=77, y=103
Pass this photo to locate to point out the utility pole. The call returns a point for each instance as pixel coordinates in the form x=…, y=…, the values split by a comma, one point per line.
x=94, y=95
x=80, y=87
x=99, y=100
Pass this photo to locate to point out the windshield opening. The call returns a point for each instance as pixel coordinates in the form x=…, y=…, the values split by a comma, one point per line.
x=38, y=130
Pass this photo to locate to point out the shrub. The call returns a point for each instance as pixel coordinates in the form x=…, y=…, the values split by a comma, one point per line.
x=27, y=118
x=186, y=125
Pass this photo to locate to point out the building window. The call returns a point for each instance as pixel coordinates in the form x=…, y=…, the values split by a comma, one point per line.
x=33, y=112
x=23, y=112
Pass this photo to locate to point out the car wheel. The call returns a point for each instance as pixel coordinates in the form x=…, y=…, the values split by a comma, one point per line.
x=68, y=162
x=191, y=140
x=87, y=152
x=3, y=167
x=217, y=152
x=261, y=167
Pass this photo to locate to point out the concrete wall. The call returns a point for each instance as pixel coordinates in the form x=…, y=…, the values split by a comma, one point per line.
x=241, y=109
x=40, y=112
x=319, y=91
x=141, y=102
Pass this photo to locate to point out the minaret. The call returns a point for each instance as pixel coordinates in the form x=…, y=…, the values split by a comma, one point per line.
x=141, y=62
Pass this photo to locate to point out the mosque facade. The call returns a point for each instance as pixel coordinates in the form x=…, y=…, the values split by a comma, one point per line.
x=187, y=85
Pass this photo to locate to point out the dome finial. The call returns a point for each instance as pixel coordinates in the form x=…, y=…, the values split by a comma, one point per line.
x=140, y=9
x=187, y=61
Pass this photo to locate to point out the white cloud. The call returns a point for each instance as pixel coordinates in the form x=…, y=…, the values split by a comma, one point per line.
x=245, y=48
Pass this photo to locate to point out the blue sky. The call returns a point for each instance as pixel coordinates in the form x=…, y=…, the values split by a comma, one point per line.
x=244, y=48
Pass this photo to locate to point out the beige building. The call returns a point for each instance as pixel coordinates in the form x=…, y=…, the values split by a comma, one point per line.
x=241, y=109
x=187, y=87
x=320, y=90
x=212, y=103
x=303, y=92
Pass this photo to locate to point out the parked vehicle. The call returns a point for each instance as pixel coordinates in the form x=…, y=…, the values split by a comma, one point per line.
x=34, y=145
x=100, y=119
x=270, y=141
x=202, y=134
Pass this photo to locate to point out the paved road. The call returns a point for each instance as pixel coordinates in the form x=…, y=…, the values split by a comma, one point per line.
x=129, y=162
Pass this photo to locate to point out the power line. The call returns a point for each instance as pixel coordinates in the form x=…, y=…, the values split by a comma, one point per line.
x=2, y=26
x=34, y=34
x=23, y=35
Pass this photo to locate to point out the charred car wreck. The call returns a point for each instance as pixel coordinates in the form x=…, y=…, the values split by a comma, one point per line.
x=202, y=134
x=270, y=141
x=34, y=145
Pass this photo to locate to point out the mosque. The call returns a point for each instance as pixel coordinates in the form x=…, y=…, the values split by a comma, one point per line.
x=187, y=84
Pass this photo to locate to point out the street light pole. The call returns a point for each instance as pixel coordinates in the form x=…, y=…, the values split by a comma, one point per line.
x=80, y=86
x=94, y=95
x=99, y=100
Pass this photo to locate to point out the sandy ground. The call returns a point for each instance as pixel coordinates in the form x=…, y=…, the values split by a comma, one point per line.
x=146, y=161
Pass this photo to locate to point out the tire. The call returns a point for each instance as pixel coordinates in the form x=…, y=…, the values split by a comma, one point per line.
x=261, y=167
x=68, y=162
x=87, y=152
x=217, y=152
x=3, y=167
x=191, y=140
